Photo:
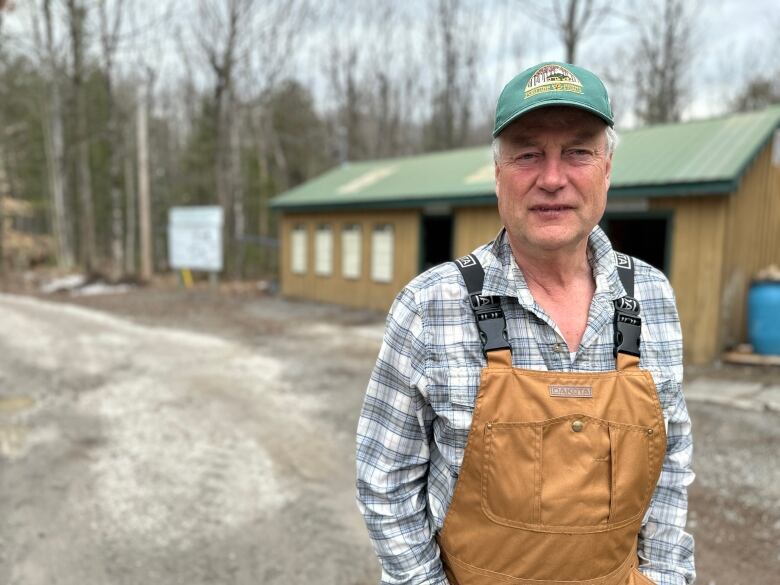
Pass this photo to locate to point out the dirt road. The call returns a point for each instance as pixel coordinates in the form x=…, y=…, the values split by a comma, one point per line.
x=139, y=454
x=171, y=437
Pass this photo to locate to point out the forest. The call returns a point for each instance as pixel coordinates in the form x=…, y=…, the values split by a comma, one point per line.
x=114, y=111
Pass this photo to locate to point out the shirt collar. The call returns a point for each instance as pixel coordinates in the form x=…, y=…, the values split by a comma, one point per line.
x=503, y=276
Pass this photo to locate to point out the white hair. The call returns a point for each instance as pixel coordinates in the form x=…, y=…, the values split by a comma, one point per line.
x=611, y=135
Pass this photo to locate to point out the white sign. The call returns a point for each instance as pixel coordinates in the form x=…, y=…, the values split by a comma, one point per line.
x=195, y=238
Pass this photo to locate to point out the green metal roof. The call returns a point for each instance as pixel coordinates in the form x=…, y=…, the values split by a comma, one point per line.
x=691, y=158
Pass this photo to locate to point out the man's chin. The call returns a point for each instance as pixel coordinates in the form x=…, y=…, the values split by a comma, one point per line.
x=553, y=243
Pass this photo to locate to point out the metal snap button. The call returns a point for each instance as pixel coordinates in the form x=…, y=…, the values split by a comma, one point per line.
x=577, y=426
x=557, y=347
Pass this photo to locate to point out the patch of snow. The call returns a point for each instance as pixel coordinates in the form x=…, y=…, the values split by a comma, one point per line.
x=65, y=283
x=100, y=288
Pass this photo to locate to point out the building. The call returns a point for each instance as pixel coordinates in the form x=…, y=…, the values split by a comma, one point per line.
x=699, y=200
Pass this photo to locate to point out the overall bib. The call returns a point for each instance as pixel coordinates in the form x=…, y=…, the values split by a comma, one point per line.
x=559, y=467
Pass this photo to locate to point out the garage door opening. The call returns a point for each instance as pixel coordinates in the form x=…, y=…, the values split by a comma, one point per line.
x=642, y=237
x=436, y=240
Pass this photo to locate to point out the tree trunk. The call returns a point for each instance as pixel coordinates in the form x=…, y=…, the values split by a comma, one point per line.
x=3, y=195
x=84, y=182
x=117, y=235
x=109, y=34
x=55, y=150
x=237, y=191
x=571, y=32
x=76, y=13
x=144, y=195
x=55, y=159
x=130, y=203
x=223, y=171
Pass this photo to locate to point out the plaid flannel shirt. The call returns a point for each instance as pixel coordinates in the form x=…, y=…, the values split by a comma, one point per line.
x=417, y=410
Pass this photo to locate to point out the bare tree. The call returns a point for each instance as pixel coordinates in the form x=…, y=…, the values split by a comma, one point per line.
x=759, y=93
x=753, y=73
x=220, y=30
x=342, y=75
x=109, y=37
x=234, y=35
x=48, y=52
x=77, y=15
x=662, y=58
x=456, y=33
x=3, y=179
x=573, y=20
x=392, y=76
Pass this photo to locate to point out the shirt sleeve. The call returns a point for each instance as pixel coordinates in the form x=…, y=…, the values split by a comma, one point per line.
x=665, y=549
x=393, y=453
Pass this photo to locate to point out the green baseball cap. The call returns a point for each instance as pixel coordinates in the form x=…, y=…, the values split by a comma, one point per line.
x=552, y=84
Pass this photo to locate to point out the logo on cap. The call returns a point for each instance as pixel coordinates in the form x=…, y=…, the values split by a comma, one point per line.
x=552, y=78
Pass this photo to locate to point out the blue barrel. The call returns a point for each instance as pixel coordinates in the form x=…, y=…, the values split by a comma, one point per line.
x=764, y=317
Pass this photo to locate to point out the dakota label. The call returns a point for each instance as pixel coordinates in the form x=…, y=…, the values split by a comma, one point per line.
x=571, y=391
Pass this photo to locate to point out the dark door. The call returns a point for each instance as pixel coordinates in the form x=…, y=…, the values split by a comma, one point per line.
x=645, y=238
x=436, y=240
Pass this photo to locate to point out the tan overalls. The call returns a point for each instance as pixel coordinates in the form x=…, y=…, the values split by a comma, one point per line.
x=559, y=467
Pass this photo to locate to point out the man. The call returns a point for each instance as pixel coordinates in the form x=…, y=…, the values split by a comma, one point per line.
x=508, y=433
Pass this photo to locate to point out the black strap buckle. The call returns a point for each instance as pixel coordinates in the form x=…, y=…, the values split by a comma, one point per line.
x=490, y=321
x=628, y=326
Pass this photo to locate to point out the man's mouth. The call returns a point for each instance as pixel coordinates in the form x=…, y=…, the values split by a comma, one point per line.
x=550, y=208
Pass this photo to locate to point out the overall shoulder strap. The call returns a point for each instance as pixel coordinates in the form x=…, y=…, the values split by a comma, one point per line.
x=628, y=324
x=487, y=309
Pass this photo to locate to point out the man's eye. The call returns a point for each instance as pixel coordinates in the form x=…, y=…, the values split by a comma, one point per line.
x=579, y=152
x=525, y=156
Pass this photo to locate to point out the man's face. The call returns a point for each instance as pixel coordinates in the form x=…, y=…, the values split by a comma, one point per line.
x=552, y=178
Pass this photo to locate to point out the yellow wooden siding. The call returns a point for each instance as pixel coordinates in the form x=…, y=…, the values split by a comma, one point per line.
x=696, y=272
x=361, y=292
x=753, y=232
x=474, y=226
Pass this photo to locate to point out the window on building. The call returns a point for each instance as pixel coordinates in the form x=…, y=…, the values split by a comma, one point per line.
x=323, y=250
x=351, y=257
x=382, y=253
x=298, y=250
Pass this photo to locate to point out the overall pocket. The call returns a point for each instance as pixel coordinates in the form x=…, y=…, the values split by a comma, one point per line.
x=575, y=471
x=638, y=578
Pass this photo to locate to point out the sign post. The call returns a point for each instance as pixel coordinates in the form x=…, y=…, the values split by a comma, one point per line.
x=195, y=240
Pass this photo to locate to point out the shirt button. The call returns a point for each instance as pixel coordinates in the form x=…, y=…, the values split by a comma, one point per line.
x=557, y=347
x=577, y=425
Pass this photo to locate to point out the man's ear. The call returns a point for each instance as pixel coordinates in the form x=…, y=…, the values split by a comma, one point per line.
x=608, y=173
x=496, y=172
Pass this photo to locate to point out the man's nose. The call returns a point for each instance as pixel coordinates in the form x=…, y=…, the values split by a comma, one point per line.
x=552, y=176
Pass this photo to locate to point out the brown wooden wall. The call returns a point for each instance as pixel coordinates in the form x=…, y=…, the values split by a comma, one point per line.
x=753, y=240
x=362, y=292
x=696, y=271
x=718, y=244
x=474, y=226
